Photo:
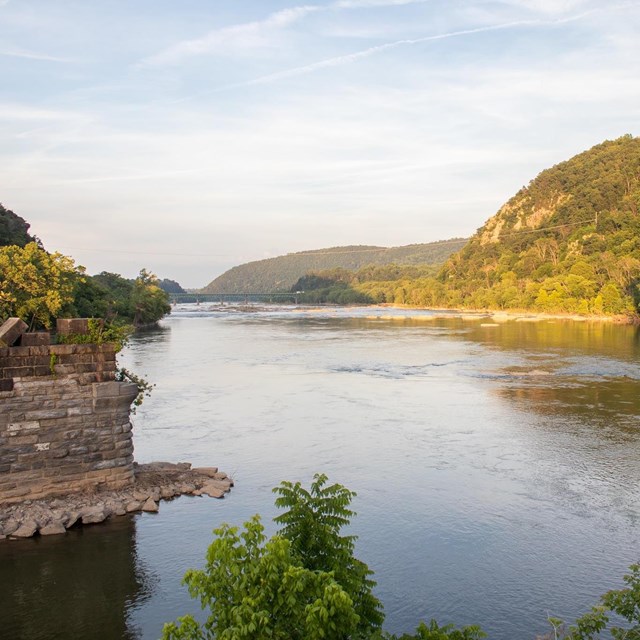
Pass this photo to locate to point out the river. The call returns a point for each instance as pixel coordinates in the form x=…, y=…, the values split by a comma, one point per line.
x=496, y=465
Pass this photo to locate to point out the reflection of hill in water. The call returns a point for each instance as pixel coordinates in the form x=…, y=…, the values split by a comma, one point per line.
x=612, y=406
x=552, y=337
x=78, y=585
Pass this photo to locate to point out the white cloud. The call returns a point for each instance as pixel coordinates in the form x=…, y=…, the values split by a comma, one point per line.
x=363, y=4
x=247, y=36
x=33, y=55
x=365, y=53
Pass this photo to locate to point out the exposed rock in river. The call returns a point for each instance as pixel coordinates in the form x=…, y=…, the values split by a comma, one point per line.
x=153, y=482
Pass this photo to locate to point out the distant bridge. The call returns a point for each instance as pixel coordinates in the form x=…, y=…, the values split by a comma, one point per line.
x=277, y=296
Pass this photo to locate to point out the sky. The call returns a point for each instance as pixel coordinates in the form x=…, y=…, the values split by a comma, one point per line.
x=188, y=137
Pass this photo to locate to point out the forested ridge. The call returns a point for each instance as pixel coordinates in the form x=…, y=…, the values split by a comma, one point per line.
x=568, y=242
x=281, y=273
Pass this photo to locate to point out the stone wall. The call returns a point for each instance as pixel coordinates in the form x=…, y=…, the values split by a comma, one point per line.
x=64, y=420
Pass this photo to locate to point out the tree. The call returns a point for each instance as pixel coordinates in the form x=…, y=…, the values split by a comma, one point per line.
x=312, y=523
x=35, y=285
x=14, y=229
x=257, y=590
x=623, y=603
x=148, y=300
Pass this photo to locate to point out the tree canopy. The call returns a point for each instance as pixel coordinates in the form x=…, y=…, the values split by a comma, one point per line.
x=14, y=229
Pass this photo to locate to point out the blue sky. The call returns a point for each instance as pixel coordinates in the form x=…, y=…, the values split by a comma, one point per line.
x=191, y=136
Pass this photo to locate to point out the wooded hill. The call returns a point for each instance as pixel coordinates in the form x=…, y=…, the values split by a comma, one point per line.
x=38, y=286
x=567, y=242
x=281, y=273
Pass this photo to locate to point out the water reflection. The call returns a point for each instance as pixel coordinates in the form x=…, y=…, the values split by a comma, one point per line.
x=495, y=462
x=79, y=585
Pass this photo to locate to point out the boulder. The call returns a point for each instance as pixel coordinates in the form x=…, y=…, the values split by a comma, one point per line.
x=210, y=472
x=133, y=505
x=70, y=519
x=223, y=485
x=151, y=506
x=25, y=530
x=53, y=528
x=93, y=515
x=212, y=490
x=9, y=527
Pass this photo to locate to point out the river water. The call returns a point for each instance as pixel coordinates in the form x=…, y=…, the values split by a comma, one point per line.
x=497, y=465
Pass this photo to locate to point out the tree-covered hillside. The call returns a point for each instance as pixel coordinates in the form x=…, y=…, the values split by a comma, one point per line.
x=568, y=242
x=14, y=230
x=281, y=273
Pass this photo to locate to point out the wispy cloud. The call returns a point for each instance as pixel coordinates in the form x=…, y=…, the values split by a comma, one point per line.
x=365, y=53
x=26, y=112
x=32, y=55
x=255, y=34
x=363, y=4
x=249, y=35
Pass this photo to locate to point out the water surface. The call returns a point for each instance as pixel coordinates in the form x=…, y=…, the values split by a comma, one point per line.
x=496, y=465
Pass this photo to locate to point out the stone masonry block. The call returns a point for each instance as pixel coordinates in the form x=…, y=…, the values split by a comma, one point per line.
x=106, y=389
x=35, y=339
x=23, y=428
x=6, y=384
x=11, y=330
x=63, y=349
x=65, y=326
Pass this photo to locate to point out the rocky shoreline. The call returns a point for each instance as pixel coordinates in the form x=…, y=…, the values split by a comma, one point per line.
x=153, y=482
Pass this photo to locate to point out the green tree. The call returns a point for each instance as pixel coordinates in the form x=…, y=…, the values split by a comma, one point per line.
x=149, y=302
x=14, y=229
x=622, y=604
x=256, y=589
x=313, y=523
x=35, y=285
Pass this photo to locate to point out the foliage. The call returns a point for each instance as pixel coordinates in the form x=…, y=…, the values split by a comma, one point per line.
x=35, y=285
x=281, y=273
x=14, y=229
x=302, y=584
x=569, y=242
x=144, y=386
x=170, y=286
x=623, y=604
x=255, y=589
x=364, y=286
x=148, y=300
x=119, y=300
x=100, y=332
x=312, y=523
x=433, y=631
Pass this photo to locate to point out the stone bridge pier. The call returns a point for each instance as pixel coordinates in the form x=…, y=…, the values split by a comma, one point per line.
x=64, y=419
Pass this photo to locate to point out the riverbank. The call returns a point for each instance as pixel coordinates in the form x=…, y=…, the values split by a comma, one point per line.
x=153, y=482
x=519, y=315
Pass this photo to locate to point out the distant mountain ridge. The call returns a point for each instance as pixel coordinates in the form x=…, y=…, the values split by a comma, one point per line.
x=281, y=273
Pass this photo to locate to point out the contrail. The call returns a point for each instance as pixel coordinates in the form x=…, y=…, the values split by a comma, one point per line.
x=365, y=53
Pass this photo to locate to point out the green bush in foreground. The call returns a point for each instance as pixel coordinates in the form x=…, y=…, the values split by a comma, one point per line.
x=304, y=583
